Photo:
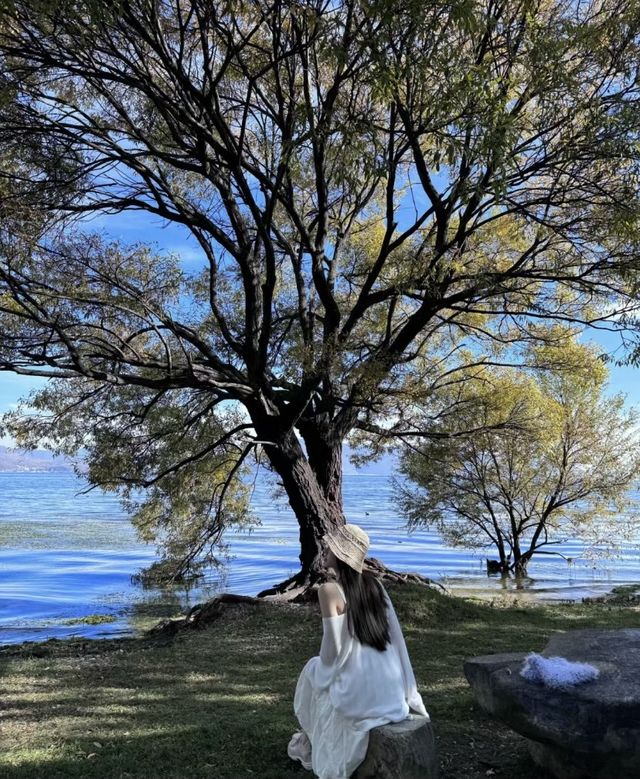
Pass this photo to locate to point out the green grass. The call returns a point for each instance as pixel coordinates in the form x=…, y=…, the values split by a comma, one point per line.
x=217, y=703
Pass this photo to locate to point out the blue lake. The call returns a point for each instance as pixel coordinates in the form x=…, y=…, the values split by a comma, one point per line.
x=65, y=555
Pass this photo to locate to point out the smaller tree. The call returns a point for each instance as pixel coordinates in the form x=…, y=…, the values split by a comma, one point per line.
x=554, y=459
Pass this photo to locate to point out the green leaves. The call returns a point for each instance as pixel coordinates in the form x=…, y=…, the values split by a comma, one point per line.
x=177, y=460
x=533, y=457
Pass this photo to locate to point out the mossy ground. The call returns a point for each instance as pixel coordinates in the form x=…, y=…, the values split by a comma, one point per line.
x=91, y=619
x=217, y=703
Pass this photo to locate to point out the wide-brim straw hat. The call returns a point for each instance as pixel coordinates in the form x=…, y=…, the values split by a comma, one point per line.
x=350, y=544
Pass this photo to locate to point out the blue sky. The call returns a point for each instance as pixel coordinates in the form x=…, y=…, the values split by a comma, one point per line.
x=132, y=227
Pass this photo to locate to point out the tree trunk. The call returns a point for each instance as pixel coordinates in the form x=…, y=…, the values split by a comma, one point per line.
x=316, y=514
x=324, y=450
x=520, y=565
x=504, y=557
x=313, y=484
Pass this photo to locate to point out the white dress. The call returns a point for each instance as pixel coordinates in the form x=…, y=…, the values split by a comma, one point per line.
x=349, y=689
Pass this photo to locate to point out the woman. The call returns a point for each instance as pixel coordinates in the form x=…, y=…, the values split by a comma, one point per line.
x=362, y=677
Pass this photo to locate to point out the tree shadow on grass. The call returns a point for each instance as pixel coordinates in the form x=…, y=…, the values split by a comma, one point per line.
x=216, y=703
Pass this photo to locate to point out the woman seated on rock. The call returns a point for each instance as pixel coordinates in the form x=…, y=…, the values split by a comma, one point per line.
x=363, y=676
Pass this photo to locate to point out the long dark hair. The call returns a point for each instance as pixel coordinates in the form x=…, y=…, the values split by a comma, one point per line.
x=366, y=607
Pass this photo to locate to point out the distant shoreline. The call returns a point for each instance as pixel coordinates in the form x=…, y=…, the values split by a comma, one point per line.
x=61, y=469
x=13, y=460
x=69, y=469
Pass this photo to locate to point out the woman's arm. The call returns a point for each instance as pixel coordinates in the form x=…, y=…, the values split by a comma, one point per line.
x=332, y=607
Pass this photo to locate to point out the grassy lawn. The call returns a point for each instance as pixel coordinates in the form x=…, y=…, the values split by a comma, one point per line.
x=217, y=702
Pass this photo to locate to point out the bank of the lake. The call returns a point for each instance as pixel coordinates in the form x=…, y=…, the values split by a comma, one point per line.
x=218, y=702
x=67, y=558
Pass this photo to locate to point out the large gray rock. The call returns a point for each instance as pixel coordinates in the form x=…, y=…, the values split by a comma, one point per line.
x=402, y=750
x=591, y=731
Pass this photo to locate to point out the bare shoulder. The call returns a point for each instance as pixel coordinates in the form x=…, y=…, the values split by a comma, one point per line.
x=330, y=598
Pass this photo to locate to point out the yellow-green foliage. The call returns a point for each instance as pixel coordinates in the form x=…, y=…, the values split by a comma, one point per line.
x=550, y=455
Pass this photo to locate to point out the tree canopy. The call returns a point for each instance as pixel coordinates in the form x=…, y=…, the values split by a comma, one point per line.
x=382, y=194
x=556, y=461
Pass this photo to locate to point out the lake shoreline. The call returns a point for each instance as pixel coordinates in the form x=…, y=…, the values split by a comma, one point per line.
x=620, y=596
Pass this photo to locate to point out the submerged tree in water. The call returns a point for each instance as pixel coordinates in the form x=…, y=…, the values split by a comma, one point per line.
x=556, y=460
x=380, y=194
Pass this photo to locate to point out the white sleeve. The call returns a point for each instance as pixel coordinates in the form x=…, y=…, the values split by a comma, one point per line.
x=331, y=639
x=413, y=697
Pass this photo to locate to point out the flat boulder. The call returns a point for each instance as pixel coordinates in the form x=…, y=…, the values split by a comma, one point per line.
x=401, y=750
x=588, y=731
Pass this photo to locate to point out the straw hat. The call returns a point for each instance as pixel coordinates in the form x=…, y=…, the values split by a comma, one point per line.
x=350, y=544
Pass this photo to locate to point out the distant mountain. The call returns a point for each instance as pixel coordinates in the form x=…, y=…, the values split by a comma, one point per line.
x=38, y=461
x=41, y=461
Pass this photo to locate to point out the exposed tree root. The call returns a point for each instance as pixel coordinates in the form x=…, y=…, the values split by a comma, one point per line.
x=202, y=614
x=301, y=589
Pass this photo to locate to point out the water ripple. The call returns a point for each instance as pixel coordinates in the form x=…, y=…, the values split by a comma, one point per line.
x=64, y=555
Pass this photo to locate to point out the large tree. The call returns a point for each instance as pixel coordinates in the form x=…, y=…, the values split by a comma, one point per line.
x=556, y=459
x=372, y=186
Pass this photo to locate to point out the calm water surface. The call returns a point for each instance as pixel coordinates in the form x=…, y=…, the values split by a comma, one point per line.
x=65, y=555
